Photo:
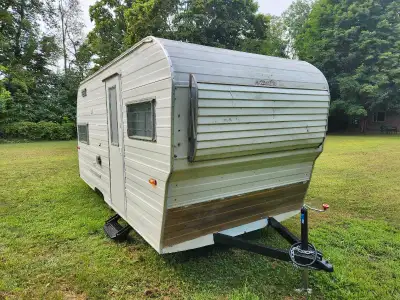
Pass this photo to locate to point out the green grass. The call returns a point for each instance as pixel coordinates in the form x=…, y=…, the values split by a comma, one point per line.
x=52, y=245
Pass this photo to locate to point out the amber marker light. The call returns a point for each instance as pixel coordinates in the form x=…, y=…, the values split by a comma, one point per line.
x=153, y=182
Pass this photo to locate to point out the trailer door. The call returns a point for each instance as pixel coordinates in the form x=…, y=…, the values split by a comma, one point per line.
x=115, y=140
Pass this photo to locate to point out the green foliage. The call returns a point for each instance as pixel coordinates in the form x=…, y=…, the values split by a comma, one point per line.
x=5, y=95
x=356, y=44
x=5, y=100
x=296, y=15
x=39, y=131
x=226, y=24
x=272, y=43
x=36, y=35
x=106, y=40
x=294, y=19
x=29, y=89
x=220, y=23
x=149, y=17
x=83, y=59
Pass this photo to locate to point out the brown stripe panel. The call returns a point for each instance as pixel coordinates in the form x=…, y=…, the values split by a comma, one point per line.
x=193, y=221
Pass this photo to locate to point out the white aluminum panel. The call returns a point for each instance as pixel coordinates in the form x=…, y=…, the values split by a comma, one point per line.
x=145, y=72
x=249, y=120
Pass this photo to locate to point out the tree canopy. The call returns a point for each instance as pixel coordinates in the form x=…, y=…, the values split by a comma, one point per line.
x=44, y=53
x=106, y=40
x=356, y=44
x=34, y=35
x=294, y=19
x=234, y=24
x=25, y=57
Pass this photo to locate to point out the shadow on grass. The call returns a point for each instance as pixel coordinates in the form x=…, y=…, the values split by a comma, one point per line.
x=205, y=272
x=223, y=270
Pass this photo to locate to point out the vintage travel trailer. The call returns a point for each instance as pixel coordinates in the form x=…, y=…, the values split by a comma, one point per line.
x=186, y=141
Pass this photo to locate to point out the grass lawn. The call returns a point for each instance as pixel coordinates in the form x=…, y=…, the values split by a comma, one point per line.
x=52, y=244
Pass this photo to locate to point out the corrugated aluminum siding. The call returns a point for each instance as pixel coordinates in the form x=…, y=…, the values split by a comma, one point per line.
x=236, y=120
x=223, y=66
x=260, y=122
x=243, y=85
x=145, y=74
x=91, y=110
x=218, y=179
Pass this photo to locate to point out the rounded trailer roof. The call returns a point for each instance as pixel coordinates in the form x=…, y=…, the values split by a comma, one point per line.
x=222, y=66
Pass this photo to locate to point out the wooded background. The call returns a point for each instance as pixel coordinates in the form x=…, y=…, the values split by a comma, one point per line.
x=355, y=43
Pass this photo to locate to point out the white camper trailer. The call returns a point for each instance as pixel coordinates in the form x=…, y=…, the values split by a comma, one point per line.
x=185, y=141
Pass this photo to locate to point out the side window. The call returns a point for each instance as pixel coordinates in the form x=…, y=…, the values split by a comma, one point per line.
x=83, y=133
x=113, y=111
x=141, y=120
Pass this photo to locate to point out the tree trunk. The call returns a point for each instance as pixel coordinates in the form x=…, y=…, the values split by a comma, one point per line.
x=63, y=35
x=17, y=46
x=363, y=125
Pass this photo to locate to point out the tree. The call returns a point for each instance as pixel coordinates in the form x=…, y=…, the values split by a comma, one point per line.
x=150, y=17
x=356, y=44
x=19, y=27
x=67, y=25
x=83, y=59
x=72, y=28
x=220, y=23
x=26, y=56
x=294, y=19
x=106, y=40
x=271, y=42
x=5, y=96
x=231, y=24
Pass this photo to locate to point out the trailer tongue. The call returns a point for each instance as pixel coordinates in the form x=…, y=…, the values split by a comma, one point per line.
x=301, y=253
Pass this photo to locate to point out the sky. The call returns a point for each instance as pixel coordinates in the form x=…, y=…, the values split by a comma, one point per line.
x=273, y=7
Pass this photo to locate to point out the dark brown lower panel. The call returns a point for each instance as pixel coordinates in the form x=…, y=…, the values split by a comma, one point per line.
x=190, y=222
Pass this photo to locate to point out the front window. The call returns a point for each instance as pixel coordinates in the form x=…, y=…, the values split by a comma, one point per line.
x=141, y=120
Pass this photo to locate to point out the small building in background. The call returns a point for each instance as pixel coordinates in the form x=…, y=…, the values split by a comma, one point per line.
x=383, y=122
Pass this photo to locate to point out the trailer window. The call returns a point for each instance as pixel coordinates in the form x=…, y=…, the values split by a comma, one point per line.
x=83, y=133
x=113, y=111
x=141, y=120
x=379, y=116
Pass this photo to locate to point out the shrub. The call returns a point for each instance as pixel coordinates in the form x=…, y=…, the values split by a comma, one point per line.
x=39, y=131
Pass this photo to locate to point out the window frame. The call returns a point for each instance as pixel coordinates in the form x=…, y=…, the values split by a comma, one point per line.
x=110, y=110
x=87, y=133
x=375, y=118
x=193, y=117
x=152, y=102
